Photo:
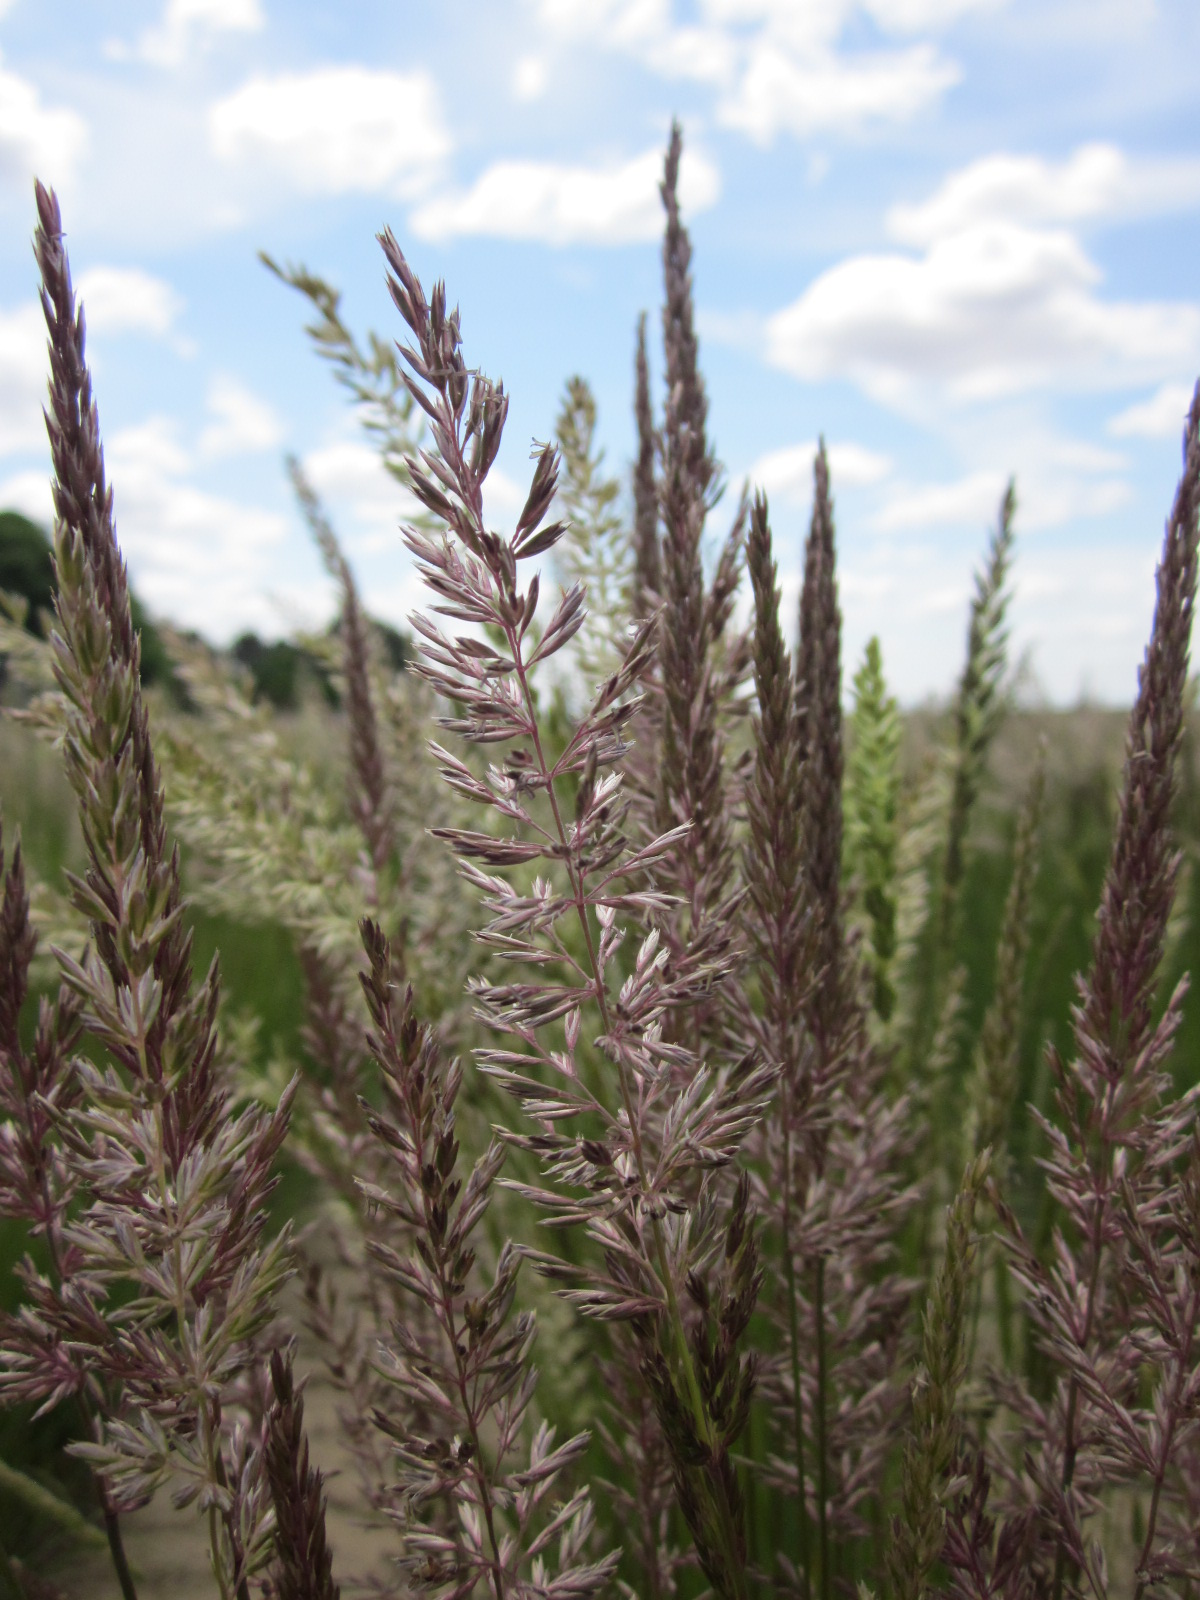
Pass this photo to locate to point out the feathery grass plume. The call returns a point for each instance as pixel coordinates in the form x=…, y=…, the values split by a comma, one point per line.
x=597, y=551
x=638, y=1175
x=373, y=377
x=1160, y=1439
x=477, y=1383
x=991, y=1095
x=845, y=1143
x=932, y=844
x=304, y=1566
x=647, y=555
x=691, y=774
x=171, y=1284
x=872, y=806
x=819, y=716
x=781, y=929
x=978, y=705
x=931, y=1044
x=1116, y=1127
x=37, y=1183
x=929, y=1456
x=922, y=834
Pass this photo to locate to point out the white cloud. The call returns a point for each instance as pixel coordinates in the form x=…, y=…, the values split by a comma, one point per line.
x=1097, y=180
x=804, y=24
x=913, y=593
x=37, y=140
x=24, y=368
x=242, y=422
x=503, y=499
x=1058, y=479
x=126, y=299
x=996, y=309
x=337, y=130
x=29, y=493
x=1162, y=416
x=187, y=26
x=560, y=204
x=967, y=502
x=824, y=91
x=366, y=503
x=779, y=66
x=201, y=559
x=788, y=473
x=913, y=16
x=530, y=78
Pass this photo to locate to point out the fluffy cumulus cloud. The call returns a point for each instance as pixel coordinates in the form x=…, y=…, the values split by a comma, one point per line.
x=366, y=503
x=126, y=299
x=29, y=493
x=778, y=66
x=788, y=473
x=531, y=78
x=913, y=593
x=336, y=130
x=561, y=204
x=997, y=308
x=23, y=373
x=965, y=502
x=1161, y=416
x=36, y=139
x=187, y=26
x=819, y=91
x=202, y=559
x=999, y=295
x=1058, y=478
x=241, y=422
x=1095, y=181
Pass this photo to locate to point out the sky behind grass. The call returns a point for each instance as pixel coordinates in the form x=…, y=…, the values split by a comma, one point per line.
x=957, y=237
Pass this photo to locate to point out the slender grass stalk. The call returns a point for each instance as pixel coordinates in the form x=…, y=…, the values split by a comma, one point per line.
x=917, y=1533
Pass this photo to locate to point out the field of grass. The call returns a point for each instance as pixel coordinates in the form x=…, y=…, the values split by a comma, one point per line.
x=263, y=979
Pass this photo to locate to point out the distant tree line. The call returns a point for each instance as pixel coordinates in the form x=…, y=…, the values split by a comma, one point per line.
x=278, y=667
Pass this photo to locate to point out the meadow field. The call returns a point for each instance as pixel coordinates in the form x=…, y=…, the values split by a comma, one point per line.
x=588, y=1097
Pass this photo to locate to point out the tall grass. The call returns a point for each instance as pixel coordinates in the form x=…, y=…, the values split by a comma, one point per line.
x=623, y=981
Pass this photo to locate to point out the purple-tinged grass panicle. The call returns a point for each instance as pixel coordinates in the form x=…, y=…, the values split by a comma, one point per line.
x=303, y=1567
x=819, y=701
x=839, y=1159
x=691, y=766
x=780, y=923
x=172, y=1284
x=476, y=1383
x=1117, y=1127
x=655, y=1122
x=36, y=1183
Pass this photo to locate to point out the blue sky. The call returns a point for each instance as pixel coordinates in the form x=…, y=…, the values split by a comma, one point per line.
x=957, y=237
